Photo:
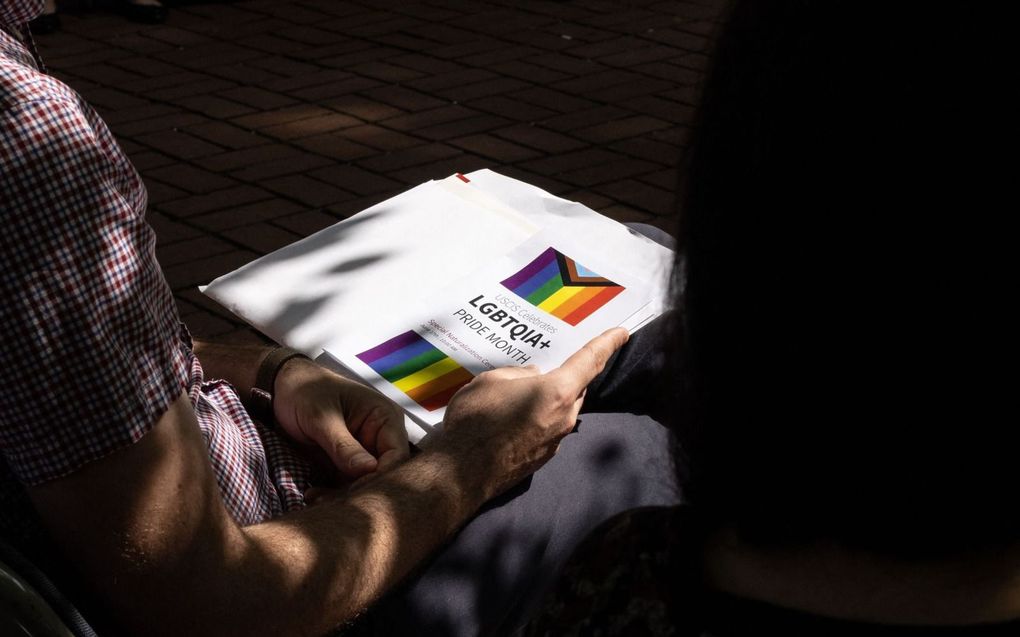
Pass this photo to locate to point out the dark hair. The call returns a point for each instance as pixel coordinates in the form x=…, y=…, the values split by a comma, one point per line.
x=839, y=334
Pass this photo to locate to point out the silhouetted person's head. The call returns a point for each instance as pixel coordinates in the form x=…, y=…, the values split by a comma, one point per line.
x=844, y=342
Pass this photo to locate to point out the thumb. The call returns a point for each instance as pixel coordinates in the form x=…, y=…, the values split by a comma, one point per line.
x=347, y=454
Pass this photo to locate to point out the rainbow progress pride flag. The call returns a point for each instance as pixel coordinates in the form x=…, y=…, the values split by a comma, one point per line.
x=414, y=366
x=562, y=287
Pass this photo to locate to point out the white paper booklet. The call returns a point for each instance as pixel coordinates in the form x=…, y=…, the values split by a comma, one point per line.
x=422, y=292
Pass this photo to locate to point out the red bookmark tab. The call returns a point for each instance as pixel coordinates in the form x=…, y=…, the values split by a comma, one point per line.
x=463, y=178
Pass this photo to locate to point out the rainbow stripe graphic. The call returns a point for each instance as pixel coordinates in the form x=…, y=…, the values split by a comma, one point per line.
x=562, y=287
x=414, y=366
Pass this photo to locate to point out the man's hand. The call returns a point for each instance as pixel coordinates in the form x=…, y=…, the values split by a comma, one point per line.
x=361, y=430
x=516, y=416
x=358, y=429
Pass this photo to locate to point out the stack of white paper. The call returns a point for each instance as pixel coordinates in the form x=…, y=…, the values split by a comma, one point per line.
x=422, y=292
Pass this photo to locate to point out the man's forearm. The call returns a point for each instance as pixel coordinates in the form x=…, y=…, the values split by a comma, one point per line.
x=169, y=560
x=333, y=560
x=356, y=548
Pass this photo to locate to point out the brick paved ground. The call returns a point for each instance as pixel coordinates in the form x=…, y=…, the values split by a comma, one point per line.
x=257, y=123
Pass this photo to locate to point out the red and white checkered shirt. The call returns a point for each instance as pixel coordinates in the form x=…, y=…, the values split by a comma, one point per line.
x=92, y=352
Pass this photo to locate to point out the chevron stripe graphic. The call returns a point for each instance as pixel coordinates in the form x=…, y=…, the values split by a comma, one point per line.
x=562, y=287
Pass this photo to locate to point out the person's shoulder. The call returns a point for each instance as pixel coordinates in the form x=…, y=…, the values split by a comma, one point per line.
x=22, y=86
x=44, y=125
x=621, y=576
x=47, y=129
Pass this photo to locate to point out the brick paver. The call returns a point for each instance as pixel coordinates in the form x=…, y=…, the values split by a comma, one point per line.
x=258, y=122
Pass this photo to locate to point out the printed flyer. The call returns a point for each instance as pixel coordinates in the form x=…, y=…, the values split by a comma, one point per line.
x=423, y=291
x=536, y=305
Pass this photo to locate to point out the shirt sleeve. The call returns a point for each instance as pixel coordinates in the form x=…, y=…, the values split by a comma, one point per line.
x=91, y=356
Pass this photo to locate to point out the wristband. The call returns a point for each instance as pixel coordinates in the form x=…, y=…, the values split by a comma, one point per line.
x=262, y=395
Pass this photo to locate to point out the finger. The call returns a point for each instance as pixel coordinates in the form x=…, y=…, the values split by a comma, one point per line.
x=585, y=364
x=347, y=454
x=390, y=459
x=365, y=426
x=391, y=444
x=383, y=430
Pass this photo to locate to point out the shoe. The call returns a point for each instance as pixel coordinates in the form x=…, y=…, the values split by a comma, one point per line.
x=44, y=23
x=144, y=13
